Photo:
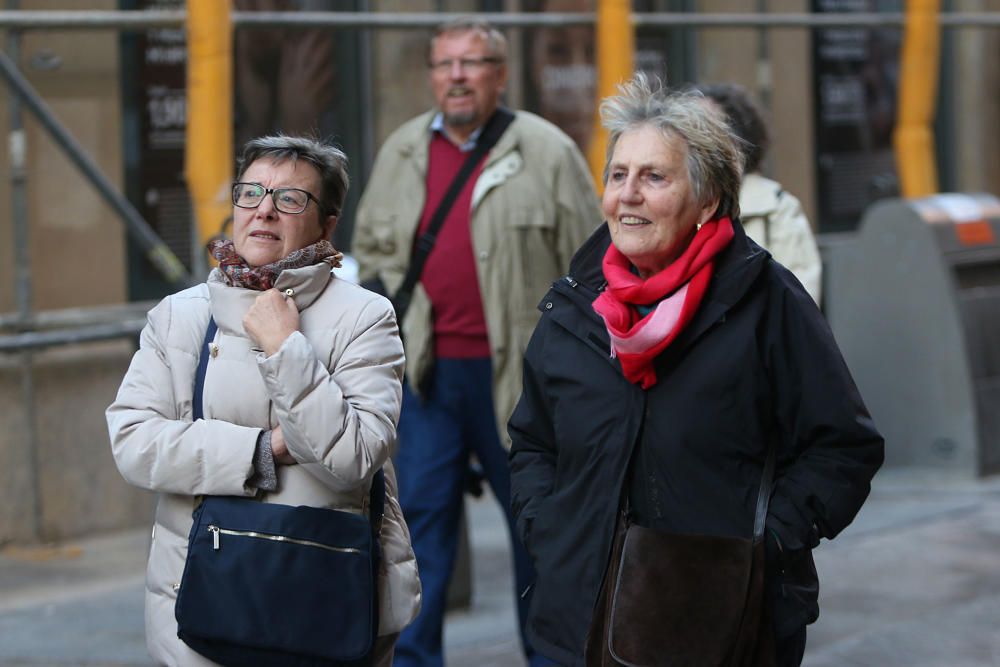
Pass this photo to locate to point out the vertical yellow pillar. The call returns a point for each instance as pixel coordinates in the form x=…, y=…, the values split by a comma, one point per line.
x=615, y=64
x=913, y=139
x=208, y=153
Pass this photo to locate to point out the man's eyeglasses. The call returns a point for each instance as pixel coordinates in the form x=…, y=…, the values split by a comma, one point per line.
x=465, y=64
x=286, y=200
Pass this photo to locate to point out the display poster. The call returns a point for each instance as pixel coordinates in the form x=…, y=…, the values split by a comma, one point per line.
x=284, y=79
x=154, y=97
x=856, y=72
x=560, y=78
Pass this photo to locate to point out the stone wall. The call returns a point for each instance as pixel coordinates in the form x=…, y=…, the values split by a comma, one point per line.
x=58, y=479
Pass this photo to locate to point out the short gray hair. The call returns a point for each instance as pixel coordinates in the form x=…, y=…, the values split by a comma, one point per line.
x=714, y=160
x=495, y=40
x=329, y=161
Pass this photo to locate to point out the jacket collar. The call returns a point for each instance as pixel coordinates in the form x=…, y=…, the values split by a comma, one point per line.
x=230, y=304
x=758, y=196
x=585, y=266
x=736, y=270
x=437, y=127
x=415, y=147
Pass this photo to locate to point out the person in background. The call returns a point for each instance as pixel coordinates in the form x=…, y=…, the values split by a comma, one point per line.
x=284, y=78
x=667, y=365
x=302, y=389
x=510, y=232
x=770, y=215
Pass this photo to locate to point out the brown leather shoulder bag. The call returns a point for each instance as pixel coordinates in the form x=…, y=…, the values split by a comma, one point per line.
x=674, y=599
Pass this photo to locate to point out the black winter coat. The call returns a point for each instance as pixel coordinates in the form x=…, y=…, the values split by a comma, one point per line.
x=757, y=364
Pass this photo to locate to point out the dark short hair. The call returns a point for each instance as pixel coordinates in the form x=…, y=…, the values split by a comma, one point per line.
x=714, y=162
x=745, y=117
x=329, y=161
x=495, y=39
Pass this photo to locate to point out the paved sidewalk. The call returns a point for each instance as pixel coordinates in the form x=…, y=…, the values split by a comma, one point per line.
x=914, y=582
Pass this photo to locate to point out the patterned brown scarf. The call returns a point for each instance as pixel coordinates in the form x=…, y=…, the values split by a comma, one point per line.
x=238, y=273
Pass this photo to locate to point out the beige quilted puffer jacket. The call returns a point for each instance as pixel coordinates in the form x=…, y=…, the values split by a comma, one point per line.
x=335, y=389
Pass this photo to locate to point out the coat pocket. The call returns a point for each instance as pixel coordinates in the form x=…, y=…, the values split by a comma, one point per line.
x=794, y=593
x=531, y=240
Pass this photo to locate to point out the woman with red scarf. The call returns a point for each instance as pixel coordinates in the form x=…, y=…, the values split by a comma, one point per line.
x=301, y=393
x=688, y=430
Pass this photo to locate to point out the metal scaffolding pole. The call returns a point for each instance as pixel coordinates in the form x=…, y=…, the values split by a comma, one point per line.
x=17, y=152
x=17, y=155
x=37, y=340
x=147, y=19
x=156, y=250
x=91, y=19
x=16, y=21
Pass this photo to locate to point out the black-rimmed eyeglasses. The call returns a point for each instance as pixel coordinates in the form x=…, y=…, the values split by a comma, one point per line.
x=286, y=200
x=464, y=64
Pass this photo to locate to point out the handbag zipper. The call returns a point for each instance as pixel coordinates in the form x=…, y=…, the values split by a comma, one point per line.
x=216, y=540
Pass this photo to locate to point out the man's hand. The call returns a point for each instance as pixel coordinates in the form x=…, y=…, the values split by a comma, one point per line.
x=279, y=450
x=271, y=319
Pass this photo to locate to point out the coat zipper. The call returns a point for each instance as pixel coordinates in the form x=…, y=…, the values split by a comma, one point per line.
x=217, y=541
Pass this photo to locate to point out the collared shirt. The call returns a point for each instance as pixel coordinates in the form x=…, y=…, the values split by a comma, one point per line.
x=437, y=125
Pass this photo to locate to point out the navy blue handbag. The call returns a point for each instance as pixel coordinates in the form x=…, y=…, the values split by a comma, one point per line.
x=268, y=584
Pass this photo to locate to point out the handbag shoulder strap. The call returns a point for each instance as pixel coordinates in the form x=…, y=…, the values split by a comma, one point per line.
x=376, y=501
x=199, y=378
x=492, y=131
x=764, y=494
x=376, y=497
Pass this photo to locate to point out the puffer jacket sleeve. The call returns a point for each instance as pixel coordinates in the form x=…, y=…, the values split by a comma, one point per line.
x=830, y=448
x=155, y=444
x=533, y=449
x=341, y=423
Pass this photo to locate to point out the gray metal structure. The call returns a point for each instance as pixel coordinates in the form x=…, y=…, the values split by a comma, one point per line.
x=14, y=21
x=145, y=19
x=915, y=308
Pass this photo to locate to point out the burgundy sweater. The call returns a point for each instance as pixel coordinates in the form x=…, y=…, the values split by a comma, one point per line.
x=449, y=276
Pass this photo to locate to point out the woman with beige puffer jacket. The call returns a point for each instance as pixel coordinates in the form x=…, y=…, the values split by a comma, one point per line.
x=302, y=390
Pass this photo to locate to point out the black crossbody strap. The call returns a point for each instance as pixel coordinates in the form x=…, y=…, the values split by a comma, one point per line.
x=197, y=406
x=492, y=131
x=764, y=494
x=376, y=498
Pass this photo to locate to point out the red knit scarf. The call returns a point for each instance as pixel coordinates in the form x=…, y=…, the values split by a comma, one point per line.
x=236, y=271
x=677, y=292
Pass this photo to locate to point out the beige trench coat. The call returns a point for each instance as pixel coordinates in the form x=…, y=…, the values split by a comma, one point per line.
x=335, y=389
x=533, y=205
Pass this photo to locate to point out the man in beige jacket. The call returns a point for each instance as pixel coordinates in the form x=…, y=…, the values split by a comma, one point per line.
x=528, y=204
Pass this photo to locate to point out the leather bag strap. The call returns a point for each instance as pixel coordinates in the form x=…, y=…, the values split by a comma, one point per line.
x=376, y=497
x=492, y=131
x=764, y=494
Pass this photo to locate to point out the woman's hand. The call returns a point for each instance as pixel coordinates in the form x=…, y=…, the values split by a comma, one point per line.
x=279, y=450
x=271, y=319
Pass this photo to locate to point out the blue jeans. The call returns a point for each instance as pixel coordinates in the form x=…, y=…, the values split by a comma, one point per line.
x=436, y=436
